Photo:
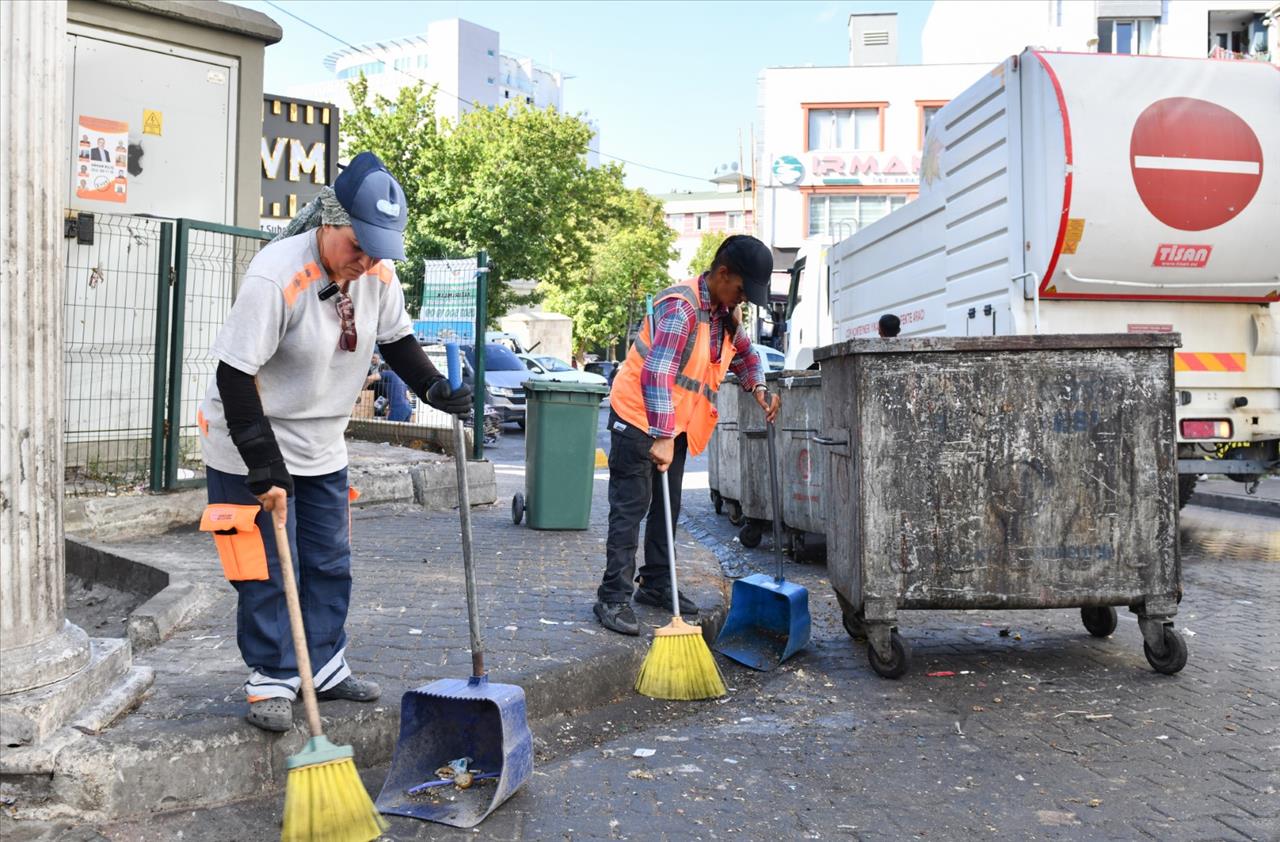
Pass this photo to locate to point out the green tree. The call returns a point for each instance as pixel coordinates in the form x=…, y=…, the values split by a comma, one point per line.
x=631, y=250
x=702, y=258
x=512, y=181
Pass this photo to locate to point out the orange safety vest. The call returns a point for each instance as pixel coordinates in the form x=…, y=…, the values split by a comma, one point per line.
x=693, y=394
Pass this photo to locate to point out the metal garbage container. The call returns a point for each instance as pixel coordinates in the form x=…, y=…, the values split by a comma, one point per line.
x=713, y=470
x=560, y=454
x=727, y=450
x=803, y=466
x=1003, y=472
x=753, y=472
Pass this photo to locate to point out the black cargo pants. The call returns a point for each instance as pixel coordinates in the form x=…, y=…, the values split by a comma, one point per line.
x=634, y=490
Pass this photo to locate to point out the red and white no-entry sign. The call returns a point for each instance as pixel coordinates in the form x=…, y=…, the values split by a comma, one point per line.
x=1195, y=164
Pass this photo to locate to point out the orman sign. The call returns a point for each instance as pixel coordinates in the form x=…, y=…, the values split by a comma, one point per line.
x=299, y=155
x=820, y=168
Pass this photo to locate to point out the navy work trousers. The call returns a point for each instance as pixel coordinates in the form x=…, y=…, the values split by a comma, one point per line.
x=320, y=539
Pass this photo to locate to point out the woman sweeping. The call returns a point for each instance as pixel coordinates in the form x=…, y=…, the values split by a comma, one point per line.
x=292, y=359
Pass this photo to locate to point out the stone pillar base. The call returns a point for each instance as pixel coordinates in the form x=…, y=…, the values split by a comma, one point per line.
x=46, y=661
x=29, y=718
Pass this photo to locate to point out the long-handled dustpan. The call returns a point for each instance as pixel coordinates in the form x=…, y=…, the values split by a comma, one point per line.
x=768, y=618
x=479, y=727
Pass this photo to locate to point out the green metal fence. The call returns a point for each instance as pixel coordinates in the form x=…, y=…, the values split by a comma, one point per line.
x=209, y=261
x=115, y=305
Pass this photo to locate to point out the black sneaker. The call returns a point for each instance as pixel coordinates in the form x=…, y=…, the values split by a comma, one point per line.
x=352, y=689
x=662, y=599
x=618, y=617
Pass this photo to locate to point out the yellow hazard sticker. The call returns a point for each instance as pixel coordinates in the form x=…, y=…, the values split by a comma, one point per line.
x=1075, y=230
x=152, y=121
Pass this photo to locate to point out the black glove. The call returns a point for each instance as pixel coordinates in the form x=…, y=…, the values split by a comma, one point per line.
x=453, y=401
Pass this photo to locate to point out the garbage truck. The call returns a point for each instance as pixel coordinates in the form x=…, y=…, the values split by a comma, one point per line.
x=1091, y=193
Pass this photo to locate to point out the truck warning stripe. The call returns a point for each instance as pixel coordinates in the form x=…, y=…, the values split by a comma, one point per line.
x=1197, y=361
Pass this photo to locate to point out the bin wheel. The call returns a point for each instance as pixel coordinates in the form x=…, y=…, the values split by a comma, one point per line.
x=1175, y=653
x=750, y=534
x=1100, y=620
x=717, y=502
x=735, y=512
x=517, y=509
x=898, y=662
x=852, y=621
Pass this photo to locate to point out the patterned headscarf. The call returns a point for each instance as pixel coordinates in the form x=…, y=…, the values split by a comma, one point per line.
x=324, y=209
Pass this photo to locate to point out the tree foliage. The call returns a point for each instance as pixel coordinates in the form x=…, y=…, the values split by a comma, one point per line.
x=701, y=260
x=631, y=249
x=512, y=181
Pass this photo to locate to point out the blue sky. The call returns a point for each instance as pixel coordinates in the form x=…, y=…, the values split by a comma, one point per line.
x=670, y=83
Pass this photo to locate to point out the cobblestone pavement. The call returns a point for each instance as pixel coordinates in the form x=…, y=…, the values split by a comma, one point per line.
x=1040, y=732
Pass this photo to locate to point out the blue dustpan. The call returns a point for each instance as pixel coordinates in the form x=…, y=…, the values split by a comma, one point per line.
x=451, y=719
x=768, y=618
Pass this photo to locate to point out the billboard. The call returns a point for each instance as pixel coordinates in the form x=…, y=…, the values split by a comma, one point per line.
x=299, y=155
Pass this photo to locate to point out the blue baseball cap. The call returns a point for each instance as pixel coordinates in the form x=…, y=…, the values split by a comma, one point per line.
x=375, y=202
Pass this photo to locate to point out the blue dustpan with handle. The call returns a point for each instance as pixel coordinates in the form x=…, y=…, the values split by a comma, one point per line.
x=451, y=719
x=768, y=618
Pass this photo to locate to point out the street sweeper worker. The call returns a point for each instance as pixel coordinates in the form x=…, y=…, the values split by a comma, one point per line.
x=662, y=407
x=292, y=358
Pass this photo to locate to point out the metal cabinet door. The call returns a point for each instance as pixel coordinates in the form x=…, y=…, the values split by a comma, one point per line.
x=188, y=170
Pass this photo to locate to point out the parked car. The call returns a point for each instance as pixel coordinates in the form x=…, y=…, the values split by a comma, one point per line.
x=605, y=368
x=774, y=360
x=504, y=377
x=545, y=367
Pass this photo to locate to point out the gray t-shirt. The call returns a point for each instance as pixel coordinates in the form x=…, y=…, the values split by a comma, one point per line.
x=280, y=332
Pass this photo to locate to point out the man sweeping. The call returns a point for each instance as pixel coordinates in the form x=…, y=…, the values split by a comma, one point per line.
x=662, y=408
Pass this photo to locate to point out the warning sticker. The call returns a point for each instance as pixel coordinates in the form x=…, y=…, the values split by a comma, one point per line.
x=1075, y=230
x=1178, y=256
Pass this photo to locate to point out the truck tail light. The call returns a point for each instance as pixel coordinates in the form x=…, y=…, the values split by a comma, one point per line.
x=1206, y=428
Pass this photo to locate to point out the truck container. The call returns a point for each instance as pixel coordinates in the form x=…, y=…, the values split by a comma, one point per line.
x=1090, y=193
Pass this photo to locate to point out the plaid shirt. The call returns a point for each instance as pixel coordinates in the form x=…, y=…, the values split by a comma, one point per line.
x=676, y=325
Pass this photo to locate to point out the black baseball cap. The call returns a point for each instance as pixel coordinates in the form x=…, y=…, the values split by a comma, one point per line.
x=751, y=260
x=375, y=202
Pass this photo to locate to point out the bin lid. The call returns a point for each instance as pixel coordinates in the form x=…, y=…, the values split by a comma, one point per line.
x=565, y=386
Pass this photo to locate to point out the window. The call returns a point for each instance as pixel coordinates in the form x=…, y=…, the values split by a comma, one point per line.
x=490, y=52
x=701, y=222
x=1126, y=36
x=844, y=128
x=371, y=68
x=927, y=109
x=840, y=215
x=734, y=220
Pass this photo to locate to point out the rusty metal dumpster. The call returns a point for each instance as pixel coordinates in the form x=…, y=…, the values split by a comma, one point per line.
x=753, y=473
x=727, y=451
x=803, y=468
x=1003, y=472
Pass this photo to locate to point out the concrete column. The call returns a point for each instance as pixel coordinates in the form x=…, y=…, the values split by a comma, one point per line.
x=37, y=644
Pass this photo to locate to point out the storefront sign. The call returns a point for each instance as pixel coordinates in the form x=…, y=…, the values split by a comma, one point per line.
x=299, y=155
x=821, y=168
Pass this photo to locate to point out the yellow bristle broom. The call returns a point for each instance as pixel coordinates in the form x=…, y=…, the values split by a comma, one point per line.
x=679, y=664
x=324, y=798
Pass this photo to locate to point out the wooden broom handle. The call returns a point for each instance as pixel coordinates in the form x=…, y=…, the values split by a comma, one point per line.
x=300, y=650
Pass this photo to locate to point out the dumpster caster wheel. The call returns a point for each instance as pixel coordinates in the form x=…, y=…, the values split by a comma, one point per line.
x=750, y=534
x=1175, y=653
x=852, y=621
x=735, y=512
x=899, y=661
x=1100, y=620
x=517, y=509
x=717, y=502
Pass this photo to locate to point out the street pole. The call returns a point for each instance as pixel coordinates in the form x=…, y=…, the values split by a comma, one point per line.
x=482, y=322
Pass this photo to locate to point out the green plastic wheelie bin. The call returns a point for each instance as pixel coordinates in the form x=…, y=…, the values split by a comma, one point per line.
x=560, y=454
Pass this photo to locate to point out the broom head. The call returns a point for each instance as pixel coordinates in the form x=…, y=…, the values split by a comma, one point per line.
x=325, y=799
x=679, y=665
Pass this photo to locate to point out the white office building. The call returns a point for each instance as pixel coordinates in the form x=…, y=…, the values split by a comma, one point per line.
x=840, y=146
x=463, y=59
x=727, y=208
